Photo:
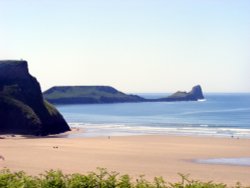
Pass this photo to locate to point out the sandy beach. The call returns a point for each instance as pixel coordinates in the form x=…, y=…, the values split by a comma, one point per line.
x=150, y=155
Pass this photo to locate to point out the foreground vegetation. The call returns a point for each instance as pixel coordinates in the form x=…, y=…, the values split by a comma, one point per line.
x=99, y=179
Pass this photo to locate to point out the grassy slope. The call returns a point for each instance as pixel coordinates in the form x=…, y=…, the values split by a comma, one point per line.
x=81, y=92
x=88, y=94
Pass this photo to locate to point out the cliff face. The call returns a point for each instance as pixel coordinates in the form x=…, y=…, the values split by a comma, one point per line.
x=22, y=107
x=197, y=92
x=194, y=95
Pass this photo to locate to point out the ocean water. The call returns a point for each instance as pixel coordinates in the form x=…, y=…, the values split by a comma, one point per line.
x=220, y=115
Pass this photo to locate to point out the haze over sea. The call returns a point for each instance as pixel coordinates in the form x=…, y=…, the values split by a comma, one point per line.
x=220, y=115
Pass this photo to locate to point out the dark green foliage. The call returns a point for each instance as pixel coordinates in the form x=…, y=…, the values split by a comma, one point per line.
x=99, y=179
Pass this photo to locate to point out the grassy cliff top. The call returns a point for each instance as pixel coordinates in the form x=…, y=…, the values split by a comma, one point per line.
x=81, y=91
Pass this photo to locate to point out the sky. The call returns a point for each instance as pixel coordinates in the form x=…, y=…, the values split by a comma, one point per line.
x=132, y=45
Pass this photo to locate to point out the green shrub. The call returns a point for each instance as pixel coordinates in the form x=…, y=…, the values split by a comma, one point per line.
x=53, y=179
x=125, y=182
x=159, y=182
x=81, y=181
x=99, y=179
x=17, y=180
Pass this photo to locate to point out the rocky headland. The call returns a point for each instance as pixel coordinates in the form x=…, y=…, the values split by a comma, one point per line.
x=194, y=95
x=23, y=109
x=107, y=94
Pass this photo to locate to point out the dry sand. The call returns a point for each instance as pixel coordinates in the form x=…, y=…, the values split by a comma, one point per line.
x=150, y=155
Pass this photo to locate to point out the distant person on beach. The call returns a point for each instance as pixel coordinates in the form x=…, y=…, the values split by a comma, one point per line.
x=1, y=157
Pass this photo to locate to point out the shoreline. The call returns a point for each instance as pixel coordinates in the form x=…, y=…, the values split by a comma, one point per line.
x=78, y=132
x=120, y=129
x=134, y=155
x=74, y=130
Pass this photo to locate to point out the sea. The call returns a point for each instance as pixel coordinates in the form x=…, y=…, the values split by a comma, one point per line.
x=219, y=115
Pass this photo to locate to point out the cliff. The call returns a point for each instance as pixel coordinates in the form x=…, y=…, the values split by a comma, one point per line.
x=23, y=109
x=107, y=94
x=194, y=95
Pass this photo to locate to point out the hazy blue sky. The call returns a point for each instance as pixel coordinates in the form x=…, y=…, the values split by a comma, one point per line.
x=133, y=45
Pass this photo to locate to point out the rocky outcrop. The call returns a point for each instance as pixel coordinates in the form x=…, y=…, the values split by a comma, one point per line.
x=23, y=109
x=107, y=94
x=194, y=95
x=197, y=93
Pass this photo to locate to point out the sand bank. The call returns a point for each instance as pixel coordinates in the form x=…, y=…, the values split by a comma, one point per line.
x=150, y=155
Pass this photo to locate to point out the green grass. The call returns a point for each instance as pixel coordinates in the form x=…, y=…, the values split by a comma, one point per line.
x=85, y=91
x=87, y=94
x=51, y=109
x=99, y=179
x=12, y=105
x=68, y=92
